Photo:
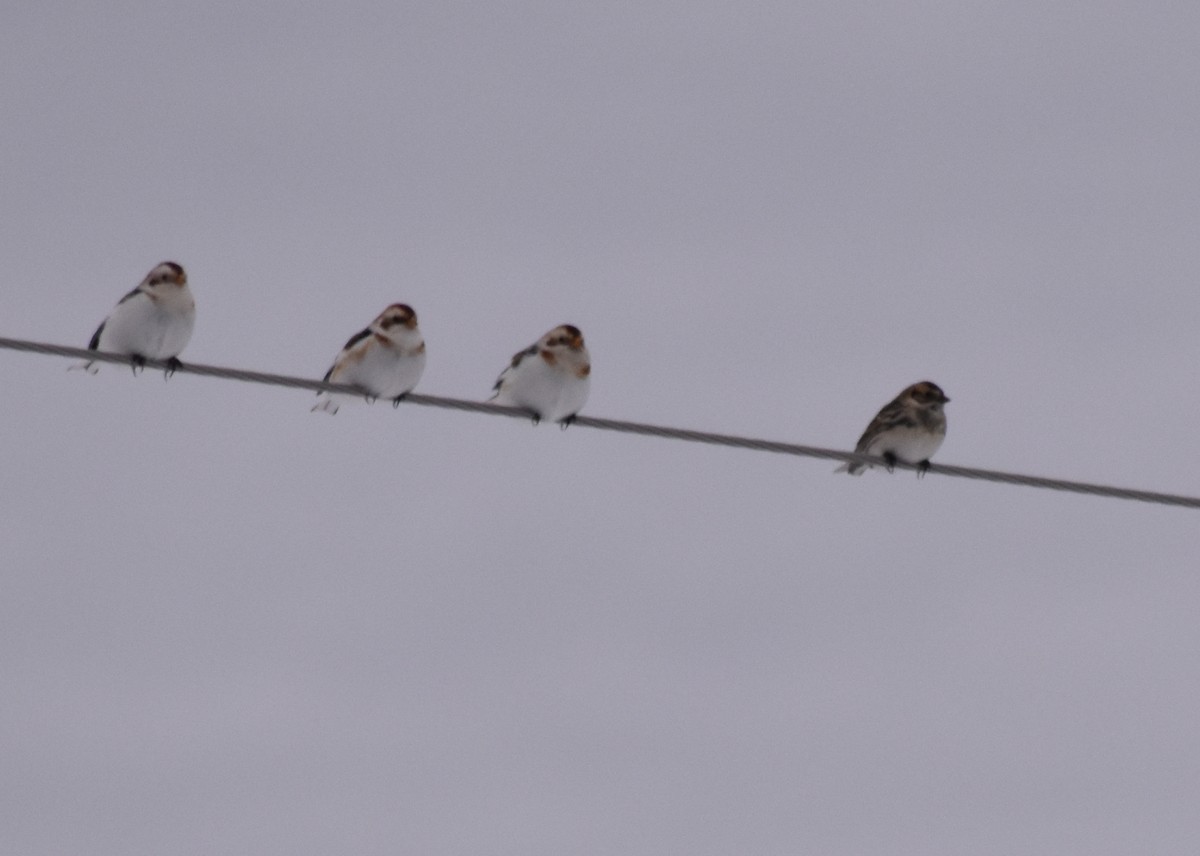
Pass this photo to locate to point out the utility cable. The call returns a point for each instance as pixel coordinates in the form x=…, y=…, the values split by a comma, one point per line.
x=617, y=425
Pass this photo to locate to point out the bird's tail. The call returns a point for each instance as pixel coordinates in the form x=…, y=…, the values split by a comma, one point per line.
x=325, y=404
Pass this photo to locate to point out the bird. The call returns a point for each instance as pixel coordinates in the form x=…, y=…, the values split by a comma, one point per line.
x=910, y=428
x=385, y=360
x=550, y=378
x=152, y=322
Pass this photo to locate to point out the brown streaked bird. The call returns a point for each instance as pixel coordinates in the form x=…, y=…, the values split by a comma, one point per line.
x=909, y=428
x=551, y=377
x=385, y=360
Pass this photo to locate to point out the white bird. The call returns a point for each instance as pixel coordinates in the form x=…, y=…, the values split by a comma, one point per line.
x=385, y=360
x=909, y=428
x=152, y=322
x=551, y=377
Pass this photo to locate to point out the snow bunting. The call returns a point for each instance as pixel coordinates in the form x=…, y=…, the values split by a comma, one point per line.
x=152, y=322
x=550, y=377
x=385, y=360
x=910, y=428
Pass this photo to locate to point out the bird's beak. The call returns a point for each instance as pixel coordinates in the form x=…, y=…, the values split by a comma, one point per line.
x=577, y=342
x=182, y=279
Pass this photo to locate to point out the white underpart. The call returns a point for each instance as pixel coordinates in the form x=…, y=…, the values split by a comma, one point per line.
x=384, y=372
x=154, y=329
x=910, y=445
x=554, y=392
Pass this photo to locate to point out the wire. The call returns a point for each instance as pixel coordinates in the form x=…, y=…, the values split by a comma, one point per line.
x=618, y=425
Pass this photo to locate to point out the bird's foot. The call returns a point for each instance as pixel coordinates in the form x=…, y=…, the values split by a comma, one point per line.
x=922, y=468
x=396, y=401
x=173, y=365
x=890, y=460
x=137, y=363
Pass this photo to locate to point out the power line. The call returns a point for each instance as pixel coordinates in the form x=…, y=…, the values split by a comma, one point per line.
x=618, y=425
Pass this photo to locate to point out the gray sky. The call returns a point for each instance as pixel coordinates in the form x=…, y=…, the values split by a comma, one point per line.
x=231, y=626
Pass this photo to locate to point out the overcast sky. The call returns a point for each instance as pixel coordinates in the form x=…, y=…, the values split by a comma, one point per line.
x=229, y=625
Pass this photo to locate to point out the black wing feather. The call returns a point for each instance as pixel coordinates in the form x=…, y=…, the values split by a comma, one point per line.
x=94, y=345
x=131, y=294
x=354, y=340
x=516, y=361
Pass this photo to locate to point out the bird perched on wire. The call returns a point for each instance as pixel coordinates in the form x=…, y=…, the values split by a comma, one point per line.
x=152, y=322
x=551, y=377
x=910, y=428
x=385, y=360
